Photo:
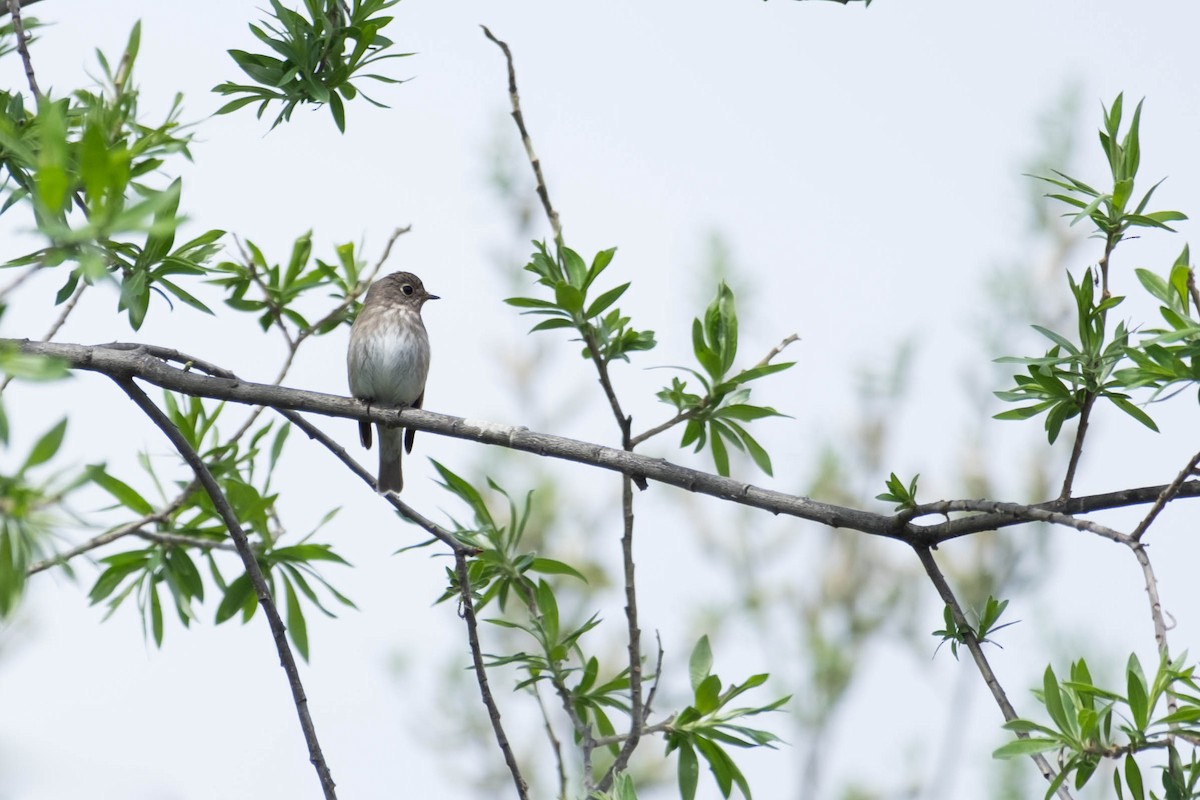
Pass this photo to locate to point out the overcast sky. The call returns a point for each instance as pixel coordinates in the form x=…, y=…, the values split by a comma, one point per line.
x=863, y=167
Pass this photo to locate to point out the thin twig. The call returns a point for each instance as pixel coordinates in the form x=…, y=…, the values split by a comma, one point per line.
x=1085, y=412
x=128, y=528
x=555, y=744
x=68, y=307
x=14, y=8
x=637, y=716
x=17, y=282
x=1023, y=512
x=1192, y=290
x=1077, y=449
x=58, y=323
x=467, y=606
x=981, y=662
x=1168, y=494
x=262, y=590
x=657, y=676
x=625, y=424
x=1156, y=612
x=519, y=118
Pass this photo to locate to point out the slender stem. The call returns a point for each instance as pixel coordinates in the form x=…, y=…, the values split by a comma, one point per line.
x=1077, y=450
x=1167, y=495
x=14, y=8
x=637, y=715
x=72, y=301
x=1193, y=292
x=1156, y=612
x=625, y=424
x=1023, y=512
x=467, y=611
x=262, y=590
x=1089, y=402
x=134, y=527
x=555, y=744
x=519, y=118
x=981, y=662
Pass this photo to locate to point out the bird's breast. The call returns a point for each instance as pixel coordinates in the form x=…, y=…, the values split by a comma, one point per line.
x=389, y=357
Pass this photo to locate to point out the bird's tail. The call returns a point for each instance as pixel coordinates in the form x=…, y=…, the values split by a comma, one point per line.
x=391, y=445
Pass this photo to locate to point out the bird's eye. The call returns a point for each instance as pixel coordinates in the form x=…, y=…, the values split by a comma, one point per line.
x=407, y=288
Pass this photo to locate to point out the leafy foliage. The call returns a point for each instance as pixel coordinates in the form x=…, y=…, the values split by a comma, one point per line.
x=718, y=415
x=1109, y=210
x=194, y=522
x=602, y=328
x=703, y=727
x=80, y=163
x=28, y=514
x=271, y=291
x=1089, y=724
x=903, y=496
x=1061, y=382
x=985, y=625
x=1166, y=357
x=320, y=54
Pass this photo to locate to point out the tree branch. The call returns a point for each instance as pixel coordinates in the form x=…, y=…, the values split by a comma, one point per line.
x=145, y=363
x=985, y=669
x=221, y=504
x=14, y=8
x=467, y=611
x=1168, y=494
x=519, y=118
x=460, y=550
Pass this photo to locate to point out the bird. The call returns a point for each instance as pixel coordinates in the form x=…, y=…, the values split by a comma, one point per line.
x=387, y=364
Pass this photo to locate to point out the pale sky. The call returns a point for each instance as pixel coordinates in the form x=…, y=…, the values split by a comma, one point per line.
x=864, y=167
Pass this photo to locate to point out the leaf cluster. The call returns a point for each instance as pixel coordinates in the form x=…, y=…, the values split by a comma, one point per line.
x=905, y=497
x=1089, y=723
x=81, y=164
x=602, y=328
x=318, y=56
x=700, y=730
x=985, y=625
x=1168, y=356
x=29, y=513
x=1061, y=382
x=717, y=416
x=141, y=573
x=1109, y=210
x=271, y=291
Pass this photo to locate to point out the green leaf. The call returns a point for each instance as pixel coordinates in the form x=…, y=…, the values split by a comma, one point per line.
x=688, y=772
x=46, y=447
x=605, y=300
x=296, y=626
x=237, y=595
x=700, y=663
x=1138, y=698
x=1133, y=411
x=548, y=566
x=707, y=694
x=121, y=491
x=1026, y=747
x=1133, y=778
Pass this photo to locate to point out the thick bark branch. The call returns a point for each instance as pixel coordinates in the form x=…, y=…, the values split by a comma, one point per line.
x=129, y=360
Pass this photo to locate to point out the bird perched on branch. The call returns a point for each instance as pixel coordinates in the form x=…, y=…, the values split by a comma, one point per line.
x=388, y=362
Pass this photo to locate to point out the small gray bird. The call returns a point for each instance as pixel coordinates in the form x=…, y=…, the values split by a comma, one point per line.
x=388, y=362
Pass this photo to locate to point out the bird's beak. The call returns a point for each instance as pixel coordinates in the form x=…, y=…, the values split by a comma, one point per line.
x=432, y=297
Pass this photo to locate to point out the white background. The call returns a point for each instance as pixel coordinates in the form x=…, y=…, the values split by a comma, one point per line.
x=864, y=168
